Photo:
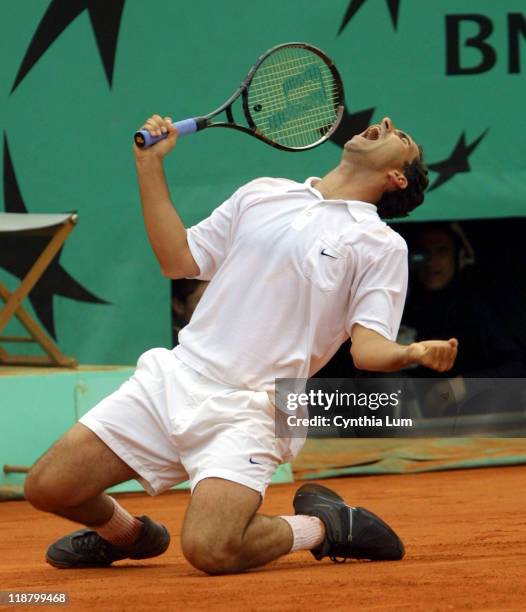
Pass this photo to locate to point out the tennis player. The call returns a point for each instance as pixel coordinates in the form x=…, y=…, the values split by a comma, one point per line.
x=294, y=270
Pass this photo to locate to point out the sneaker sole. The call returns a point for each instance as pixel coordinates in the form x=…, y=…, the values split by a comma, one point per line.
x=66, y=565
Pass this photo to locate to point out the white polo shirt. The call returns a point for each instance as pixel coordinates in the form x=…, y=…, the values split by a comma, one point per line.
x=290, y=273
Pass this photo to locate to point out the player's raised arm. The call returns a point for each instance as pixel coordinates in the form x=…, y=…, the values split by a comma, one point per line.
x=371, y=351
x=164, y=227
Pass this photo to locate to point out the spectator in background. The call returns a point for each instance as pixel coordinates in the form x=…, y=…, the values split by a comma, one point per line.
x=445, y=301
x=186, y=294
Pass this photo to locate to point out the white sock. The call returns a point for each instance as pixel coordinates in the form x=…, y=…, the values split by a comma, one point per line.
x=307, y=531
x=122, y=529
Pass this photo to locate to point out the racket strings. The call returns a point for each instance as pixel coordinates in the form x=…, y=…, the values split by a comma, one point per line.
x=291, y=66
x=317, y=114
x=303, y=136
x=275, y=81
x=302, y=126
x=281, y=68
x=277, y=104
x=314, y=120
x=279, y=88
x=294, y=136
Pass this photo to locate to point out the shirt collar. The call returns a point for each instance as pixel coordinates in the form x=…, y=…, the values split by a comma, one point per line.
x=307, y=185
x=359, y=211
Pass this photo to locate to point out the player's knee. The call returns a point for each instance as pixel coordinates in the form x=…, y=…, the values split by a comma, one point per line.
x=45, y=492
x=38, y=492
x=212, y=555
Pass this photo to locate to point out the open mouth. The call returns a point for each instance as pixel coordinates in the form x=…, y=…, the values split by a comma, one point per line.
x=373, y=132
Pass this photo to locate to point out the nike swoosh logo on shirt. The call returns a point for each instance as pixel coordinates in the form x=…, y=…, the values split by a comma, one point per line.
x=254, y=462
x=328, y=255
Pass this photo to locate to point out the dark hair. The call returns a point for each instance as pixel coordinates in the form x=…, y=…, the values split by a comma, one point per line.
x=182, y=288
x=401, y=202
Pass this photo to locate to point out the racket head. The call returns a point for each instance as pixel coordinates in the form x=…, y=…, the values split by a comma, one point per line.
x=293, y=97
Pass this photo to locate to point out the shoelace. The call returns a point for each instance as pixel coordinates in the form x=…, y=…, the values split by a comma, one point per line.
x=91, y=542
x=87, y=540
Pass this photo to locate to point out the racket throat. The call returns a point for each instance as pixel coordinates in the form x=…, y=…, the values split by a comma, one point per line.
x=230, y=114
x=201, y=123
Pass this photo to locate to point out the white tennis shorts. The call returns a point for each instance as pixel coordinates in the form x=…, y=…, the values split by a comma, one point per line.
x=169, y=423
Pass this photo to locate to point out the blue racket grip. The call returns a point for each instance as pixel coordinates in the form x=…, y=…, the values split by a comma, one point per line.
x=143, y=139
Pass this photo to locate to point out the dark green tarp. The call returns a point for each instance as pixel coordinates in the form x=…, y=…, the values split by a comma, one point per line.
x=78, y=78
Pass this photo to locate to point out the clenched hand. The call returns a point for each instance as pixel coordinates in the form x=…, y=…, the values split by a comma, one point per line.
x=437, y=355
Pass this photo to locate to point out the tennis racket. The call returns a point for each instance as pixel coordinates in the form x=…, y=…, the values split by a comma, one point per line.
x=292, y=99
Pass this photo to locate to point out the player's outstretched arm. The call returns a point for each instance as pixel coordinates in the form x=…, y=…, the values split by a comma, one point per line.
x=372, y=352
x=164, y=227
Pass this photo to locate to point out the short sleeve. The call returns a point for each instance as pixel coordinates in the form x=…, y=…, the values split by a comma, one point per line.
x=210, y=240
x=378, y=294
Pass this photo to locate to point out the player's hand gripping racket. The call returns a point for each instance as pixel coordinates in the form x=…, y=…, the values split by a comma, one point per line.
x=292, y=99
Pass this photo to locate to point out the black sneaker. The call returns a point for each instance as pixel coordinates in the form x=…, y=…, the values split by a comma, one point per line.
x=86, y=548
x=350, y=533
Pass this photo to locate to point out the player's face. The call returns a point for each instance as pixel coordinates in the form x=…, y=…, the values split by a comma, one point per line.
x=382, y=146
x=439, y=266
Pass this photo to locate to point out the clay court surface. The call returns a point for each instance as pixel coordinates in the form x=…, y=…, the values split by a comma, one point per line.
x=465, y=535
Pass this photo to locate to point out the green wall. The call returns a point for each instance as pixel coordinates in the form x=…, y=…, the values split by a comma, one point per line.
x=69, y=130
x=29, y=428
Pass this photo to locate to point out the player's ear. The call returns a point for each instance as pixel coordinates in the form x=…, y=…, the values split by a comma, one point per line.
x=396, y=179
x=178, y=306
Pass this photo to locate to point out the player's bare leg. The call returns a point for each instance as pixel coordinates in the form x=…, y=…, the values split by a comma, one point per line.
x=222, y=533
x=70, y=480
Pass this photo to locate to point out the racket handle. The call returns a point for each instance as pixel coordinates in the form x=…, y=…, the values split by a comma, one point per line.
x=143, y=139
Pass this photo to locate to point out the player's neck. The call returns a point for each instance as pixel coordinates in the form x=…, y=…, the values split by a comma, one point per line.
x=347, y=182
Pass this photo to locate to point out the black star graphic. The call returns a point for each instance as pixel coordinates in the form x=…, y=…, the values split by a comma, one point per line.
x=17, y=259
x=356, y=5
x=351, y=124
x=105, y=19
x=457, y=162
